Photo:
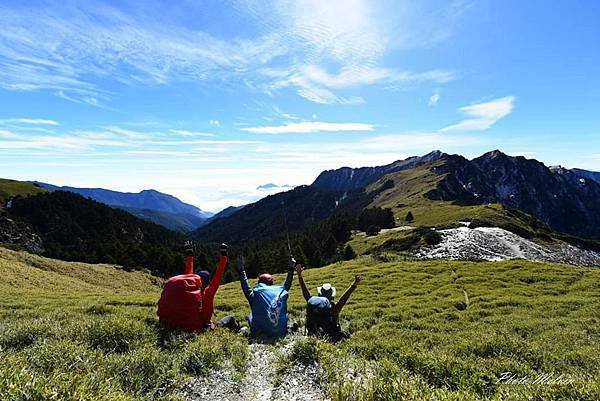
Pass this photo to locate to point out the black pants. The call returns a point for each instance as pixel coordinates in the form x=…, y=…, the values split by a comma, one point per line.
x=229, y=322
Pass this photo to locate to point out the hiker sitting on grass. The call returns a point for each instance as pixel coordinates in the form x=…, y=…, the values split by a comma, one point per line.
x=322, y=313
x=186, y=301
x=268, y=303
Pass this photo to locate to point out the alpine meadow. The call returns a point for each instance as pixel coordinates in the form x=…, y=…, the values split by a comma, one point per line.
x=342, y=200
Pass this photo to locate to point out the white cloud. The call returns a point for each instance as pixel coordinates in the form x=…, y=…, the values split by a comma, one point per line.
x=128, y=133
x=187, y=133
x=214, y=123
x=8, y=134
x=309, y=127
x=483, y=115
x=317, y=85
x=29, y=121
x=434, y=98
x=68, y=142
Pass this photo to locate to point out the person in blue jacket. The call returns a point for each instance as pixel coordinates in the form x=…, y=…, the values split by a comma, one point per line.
x=268, y=303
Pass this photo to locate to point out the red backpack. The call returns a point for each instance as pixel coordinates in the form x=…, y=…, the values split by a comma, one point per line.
x=180, y=303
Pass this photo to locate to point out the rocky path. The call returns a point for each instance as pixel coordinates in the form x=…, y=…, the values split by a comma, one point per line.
x=492, y=243
x=300, y=383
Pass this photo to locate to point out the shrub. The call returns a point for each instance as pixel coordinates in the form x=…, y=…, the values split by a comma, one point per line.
x=22, y=335
x=432, y=237
x=376, y=217
x=115, y=334
x=349, y=253
x=145, y=371
x=305, y=351
x=202, y=356
x=373, y=230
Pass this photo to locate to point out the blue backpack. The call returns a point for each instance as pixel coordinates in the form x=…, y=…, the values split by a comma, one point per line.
x=269, y=311
x=320, y=320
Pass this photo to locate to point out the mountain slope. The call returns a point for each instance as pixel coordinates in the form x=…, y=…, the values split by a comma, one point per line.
x=346, y=178
x=450, y=188
x=228, y=211
x=304, y=205
x=35, y=273
x=181, y=222
x=72, y=227
x=11, y=188
x=559, y=198
x=150, y=205
x=592, y=175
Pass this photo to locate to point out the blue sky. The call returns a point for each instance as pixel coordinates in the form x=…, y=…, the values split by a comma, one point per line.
x=207, y=100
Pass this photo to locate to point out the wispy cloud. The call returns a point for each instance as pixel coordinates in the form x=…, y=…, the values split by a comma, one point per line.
x=309, y=127
x=4, y=134
x=483, y=115
x=74, y=49
x=28, y=121
x=186, y=133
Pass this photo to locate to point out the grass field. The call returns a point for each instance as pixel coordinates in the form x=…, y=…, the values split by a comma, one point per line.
x=431, y=330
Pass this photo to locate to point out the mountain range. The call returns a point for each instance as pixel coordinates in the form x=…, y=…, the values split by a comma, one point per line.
x=437, y=191
x=438, y=188
x=149, y=205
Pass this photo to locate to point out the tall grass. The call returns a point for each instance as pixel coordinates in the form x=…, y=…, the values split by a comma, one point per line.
x=64, y=335
x=431, y=330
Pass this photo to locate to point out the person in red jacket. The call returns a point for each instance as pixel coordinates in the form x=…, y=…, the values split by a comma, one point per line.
x=187, y=300
x=209, y=289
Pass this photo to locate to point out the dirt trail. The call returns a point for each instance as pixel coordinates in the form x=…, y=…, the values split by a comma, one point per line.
x=300, y=383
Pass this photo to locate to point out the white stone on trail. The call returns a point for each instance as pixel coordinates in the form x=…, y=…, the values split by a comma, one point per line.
x=300, y=383
x=494, y=244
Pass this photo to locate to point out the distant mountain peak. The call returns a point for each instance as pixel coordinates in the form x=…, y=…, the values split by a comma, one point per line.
x=436, y=154
x=270, y=186
x=495, y=154
x=346, y=178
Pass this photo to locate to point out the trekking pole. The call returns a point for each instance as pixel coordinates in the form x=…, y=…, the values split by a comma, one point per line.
x=287, y=231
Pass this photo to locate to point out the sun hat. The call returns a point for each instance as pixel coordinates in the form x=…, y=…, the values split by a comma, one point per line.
x=326, y=290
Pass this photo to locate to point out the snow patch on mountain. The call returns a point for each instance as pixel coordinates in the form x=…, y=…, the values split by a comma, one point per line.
x=495, y=244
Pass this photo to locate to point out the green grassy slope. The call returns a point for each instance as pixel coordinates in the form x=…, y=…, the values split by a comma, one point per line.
x=447, y=330
x=73, y=331
x=12, y=188
x=422, y=330
x=409, y=194
x=406, y=191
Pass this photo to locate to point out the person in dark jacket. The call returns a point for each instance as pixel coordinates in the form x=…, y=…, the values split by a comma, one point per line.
x=322, y=312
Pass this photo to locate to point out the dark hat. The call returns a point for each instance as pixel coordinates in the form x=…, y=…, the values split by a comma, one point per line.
x=205, y=276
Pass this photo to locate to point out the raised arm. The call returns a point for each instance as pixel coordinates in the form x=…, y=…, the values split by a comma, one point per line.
x=244, y=280
x=212, y=288
x=290, y=275
x=305, y=291
x=344, y=298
